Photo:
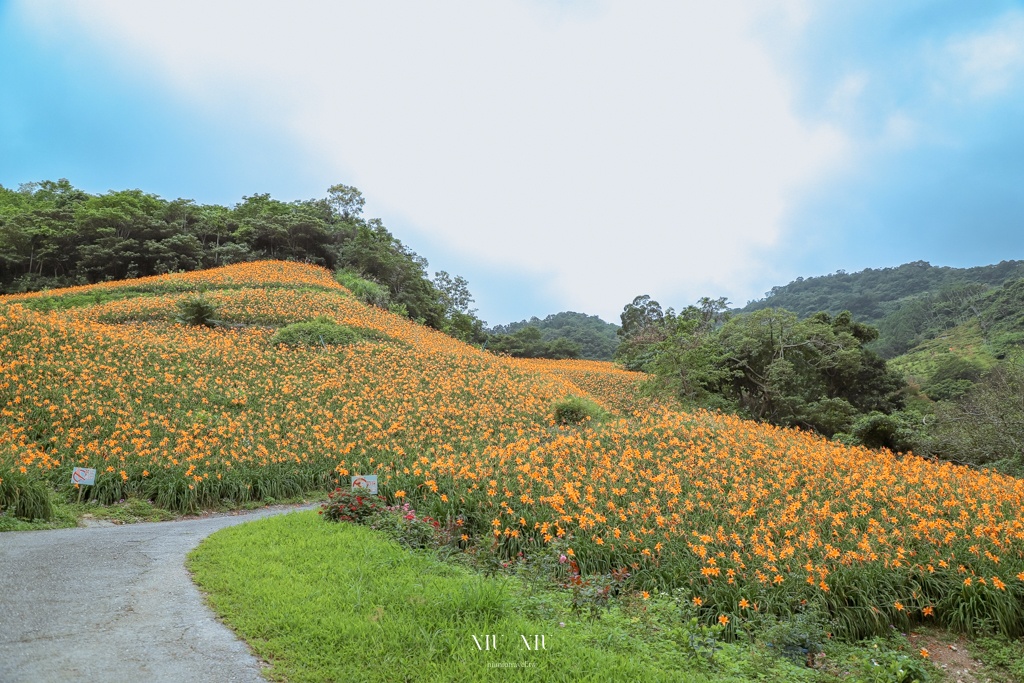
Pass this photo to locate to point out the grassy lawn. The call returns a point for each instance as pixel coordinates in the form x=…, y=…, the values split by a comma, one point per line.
x=340, y=602
x=129, y=511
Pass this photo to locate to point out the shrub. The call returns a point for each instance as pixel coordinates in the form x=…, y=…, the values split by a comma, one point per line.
x=346, y=506
x=367, y=291
x=322, y=332
x=23, y=497
x=407, y=528
x=798, y=637
x=576, y=410
x=196, y=310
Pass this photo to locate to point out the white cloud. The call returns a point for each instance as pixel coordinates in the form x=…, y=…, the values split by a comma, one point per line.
x=846, y=95
x=900, y=130
x=991, y=62
x=620, y=149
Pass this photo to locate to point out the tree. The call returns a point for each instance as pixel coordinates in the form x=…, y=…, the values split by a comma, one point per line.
x=346, y=201
x=985, y=426
x=597, y=340
x=689, y=363
x=643, y=329
x=815, y=373
x=640, y=315
x=528, y=342
x=454, y=292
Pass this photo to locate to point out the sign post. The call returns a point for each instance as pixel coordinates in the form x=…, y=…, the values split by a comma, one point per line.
x=364, y=483
x=83, y=476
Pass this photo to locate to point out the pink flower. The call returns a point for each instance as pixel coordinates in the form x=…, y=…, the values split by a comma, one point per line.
x=562, y=559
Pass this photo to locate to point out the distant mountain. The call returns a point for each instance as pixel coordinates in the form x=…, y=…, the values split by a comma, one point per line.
x=912, y=303
x=597, y=339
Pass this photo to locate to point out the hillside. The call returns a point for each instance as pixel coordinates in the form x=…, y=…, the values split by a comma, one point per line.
x=955, y=343
x=910, y=304
x=55, y=235
x=191, y=415
x=734, y=514
x=596, y=338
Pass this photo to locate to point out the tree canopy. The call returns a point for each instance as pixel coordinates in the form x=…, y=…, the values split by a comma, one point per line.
x=909, y=304
x=816, y=373
x=595, y=338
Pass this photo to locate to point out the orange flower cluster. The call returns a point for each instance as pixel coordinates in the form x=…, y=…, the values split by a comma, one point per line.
x=192, y=415
x=257, y=274
x=611, y=386
x=737, y=514
x=741, y=511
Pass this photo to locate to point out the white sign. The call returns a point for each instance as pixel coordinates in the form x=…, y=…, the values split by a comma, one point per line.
x=367, y=483
x=83, y=476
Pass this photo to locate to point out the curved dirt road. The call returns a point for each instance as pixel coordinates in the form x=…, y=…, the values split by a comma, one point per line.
x=115, y=604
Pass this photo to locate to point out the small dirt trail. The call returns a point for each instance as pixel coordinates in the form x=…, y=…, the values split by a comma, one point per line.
x=115, y=604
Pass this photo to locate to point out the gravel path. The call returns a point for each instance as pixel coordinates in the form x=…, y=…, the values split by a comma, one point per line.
x=115, y=604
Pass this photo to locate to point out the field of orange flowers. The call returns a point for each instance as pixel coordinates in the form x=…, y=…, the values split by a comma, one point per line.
x=740, y=517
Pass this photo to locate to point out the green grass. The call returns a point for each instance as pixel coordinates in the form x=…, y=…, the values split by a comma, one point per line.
x=130, y=511
x=323, y=601
x=1003, y=658
x=61, y=302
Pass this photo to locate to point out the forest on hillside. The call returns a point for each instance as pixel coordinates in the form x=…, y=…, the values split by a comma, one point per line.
x=909, y=304
x=940, y=374
x=591, y=337
x=55, y=235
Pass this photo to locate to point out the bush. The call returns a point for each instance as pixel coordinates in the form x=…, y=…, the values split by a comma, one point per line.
x=23, y=497
x=323, y=332
x=986, y=426
x=575, y=410
x=346, y=506
x=899, y=432
x=798, y=637
x=196, y=310
x=367, y=291
x=407, y=528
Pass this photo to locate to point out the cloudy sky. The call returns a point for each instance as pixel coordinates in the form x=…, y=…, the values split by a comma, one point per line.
x=560, y=154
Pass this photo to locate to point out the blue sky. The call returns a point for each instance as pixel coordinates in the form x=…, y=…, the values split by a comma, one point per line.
x=563, y=155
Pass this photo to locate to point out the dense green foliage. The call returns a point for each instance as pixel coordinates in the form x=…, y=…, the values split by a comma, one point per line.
x=367, y=291
x=815, y=373
x=595, y=338
x=322, y=332
x=820, y=372
x=870, y=294
x=955, y=334
x=529, y=342
x=53, y=234
x=984, y=426
x=196, y=310
x=24, y=497
x=576, y=410
x=911, y=303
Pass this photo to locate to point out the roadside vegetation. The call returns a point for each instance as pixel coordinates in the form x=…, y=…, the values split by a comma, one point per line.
x=387, y=601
